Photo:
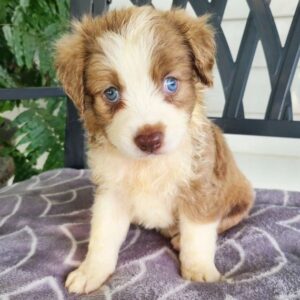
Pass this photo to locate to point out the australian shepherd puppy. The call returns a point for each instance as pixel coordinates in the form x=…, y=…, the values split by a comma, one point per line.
x=137, y=77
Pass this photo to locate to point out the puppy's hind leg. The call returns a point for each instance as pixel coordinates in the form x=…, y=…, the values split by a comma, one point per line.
x=172, y=233
x=237, y=213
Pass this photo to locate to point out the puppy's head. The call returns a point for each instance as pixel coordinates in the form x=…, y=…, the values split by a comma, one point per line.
x=133, y=74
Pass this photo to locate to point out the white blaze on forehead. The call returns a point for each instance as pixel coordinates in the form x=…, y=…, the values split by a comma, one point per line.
x=129, y=52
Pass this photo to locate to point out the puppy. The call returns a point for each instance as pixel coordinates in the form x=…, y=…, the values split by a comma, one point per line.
x=137, y=77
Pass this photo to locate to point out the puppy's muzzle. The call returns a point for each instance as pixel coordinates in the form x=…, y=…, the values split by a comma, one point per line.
x=149, y=142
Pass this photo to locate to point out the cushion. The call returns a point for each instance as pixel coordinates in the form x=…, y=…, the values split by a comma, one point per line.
x=44, y=231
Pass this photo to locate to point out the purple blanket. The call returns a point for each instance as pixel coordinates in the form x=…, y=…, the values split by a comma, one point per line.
x=44, y=230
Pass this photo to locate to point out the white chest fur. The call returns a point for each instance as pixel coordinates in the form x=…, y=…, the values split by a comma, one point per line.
x=147, y=187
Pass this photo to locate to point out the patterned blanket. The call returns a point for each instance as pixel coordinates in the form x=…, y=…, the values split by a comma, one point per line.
x=44, y=227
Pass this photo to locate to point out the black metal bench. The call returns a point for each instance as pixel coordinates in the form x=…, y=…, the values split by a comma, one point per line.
x=260, y=25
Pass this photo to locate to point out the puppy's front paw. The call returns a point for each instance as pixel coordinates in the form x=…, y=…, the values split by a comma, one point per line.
x=200, y=273
x=85, y=279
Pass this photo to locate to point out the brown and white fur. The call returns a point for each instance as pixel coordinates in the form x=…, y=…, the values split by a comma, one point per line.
x=190, y=188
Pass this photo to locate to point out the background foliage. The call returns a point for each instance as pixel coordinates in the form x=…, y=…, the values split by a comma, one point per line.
x=28, y=30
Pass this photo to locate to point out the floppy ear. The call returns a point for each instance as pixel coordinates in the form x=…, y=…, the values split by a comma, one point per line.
x=199, y=36
x=69, y=62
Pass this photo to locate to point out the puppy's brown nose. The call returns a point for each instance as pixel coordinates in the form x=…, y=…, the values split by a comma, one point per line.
x=149, y=142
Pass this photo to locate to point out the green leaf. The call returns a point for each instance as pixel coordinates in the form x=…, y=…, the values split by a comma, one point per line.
x=6, y=106
x=23, y=117
x=63, y=9
x=5, y=79
x=18, y=16
x=3, y=10
x=24, y=167
x=50, y=30
x=45, y=60
x=18, y=47
x=8, y=35
x=55, y=158
x=29, y=44
x=24, y=3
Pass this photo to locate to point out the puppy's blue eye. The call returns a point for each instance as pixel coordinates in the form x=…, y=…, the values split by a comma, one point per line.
x=112, y=94
x=170, y=85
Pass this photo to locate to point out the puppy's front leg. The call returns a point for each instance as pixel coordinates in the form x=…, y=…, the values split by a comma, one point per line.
x=109, y=226
x=197, y=250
